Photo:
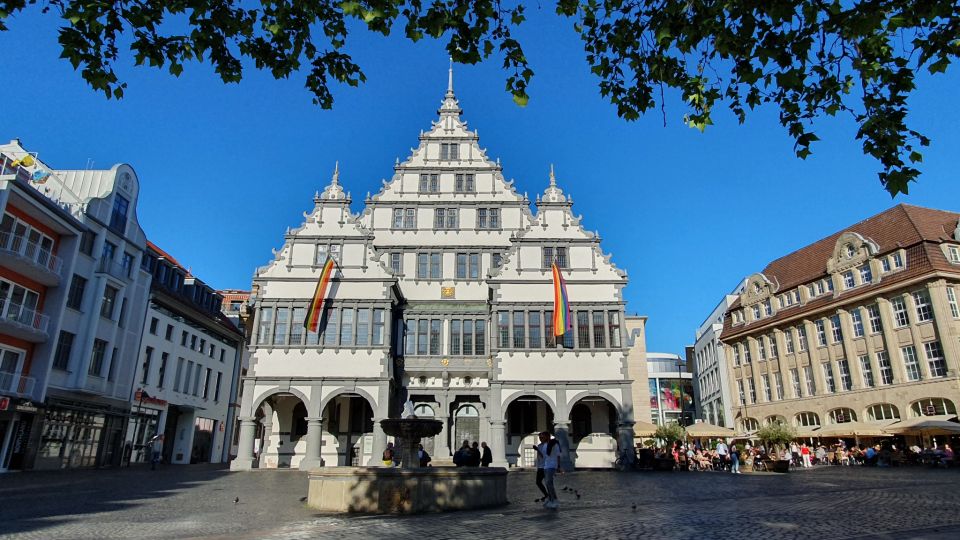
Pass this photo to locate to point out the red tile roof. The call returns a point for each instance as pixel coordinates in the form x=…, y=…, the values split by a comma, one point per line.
x=916, y=229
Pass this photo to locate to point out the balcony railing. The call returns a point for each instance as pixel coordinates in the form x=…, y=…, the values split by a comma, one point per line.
x=115, y=269
x=14, y=383
x=19, y=245
x=17, y=314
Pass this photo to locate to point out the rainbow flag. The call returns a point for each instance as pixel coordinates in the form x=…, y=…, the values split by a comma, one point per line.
x=312, y=320
x=561, y=305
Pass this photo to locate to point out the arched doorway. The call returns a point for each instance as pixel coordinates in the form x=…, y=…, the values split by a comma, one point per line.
x=466, y=421
x=593, y=433
x=347, y=431
x=282, y=432
x=423, y=410
x=526, y=417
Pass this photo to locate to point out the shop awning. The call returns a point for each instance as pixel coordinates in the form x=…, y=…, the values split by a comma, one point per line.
x=854, y=429
x=926, y=425
x=703, y=429
x=641, y=429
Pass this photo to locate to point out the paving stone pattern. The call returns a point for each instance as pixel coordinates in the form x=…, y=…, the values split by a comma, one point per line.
x=198, y=502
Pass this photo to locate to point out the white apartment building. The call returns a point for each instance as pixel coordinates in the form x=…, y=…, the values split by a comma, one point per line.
x=444, y=295
x=710, y=370
x=86, y=391
x=188, y=358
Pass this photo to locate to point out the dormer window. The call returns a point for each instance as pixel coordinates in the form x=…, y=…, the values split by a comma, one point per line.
x=756, y=313
x=767, y=308
x=884, y=264
x=897, y=260
x=866, y=275
x=848, y=282
x=449, y=151
x=756, y=288
x=954, y=253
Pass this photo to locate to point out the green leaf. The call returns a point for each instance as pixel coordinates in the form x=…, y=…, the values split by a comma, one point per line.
x=521, y=98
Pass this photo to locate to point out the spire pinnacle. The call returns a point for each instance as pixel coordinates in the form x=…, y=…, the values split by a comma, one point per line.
x=334, y=191
x=450, y=78
x=553, y=179
x=553, y=194
x=336, y=174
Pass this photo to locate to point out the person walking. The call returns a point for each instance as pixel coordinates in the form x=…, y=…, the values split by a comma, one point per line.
x=805, y=455
x=723, y=454
x=156, y=450
x=550, y=448
x=538, y=458
x=487, y=456
x=734, y=460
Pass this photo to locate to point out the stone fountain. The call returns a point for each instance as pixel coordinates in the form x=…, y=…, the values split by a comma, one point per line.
x=409, y=489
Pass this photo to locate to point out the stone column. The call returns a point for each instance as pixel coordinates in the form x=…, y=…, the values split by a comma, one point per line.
x=244, y=459
x=441, y=441
x=312, y=458
x=498, y=443
x=267, y=432
x=561, y=431
x=625, y=442
x=379, y=444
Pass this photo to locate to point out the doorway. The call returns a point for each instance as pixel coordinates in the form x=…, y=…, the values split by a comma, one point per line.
x=467, y=421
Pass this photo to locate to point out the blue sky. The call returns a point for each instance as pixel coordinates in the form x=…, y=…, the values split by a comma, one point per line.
x=226, y=169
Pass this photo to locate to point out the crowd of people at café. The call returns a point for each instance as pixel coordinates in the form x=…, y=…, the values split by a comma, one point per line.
x=717, y=455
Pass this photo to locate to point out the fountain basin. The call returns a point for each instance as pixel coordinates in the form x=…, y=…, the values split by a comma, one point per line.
x=389, y=490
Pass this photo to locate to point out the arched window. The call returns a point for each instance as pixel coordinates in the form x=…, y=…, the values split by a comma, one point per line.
x=932, y=407
x=806, y=419
x=882, y=411
x=467, y=411
x=775, y=419
x=842, y=415
x=422, y=410
x=749, y=424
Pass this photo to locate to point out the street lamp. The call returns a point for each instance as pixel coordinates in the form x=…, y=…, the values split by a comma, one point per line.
x=683, y=419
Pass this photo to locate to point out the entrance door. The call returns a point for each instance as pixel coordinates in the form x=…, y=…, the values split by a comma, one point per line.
x=467, y=425
x=5, y=444
x=202, y=440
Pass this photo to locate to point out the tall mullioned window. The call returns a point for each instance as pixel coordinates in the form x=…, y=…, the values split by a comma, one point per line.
x=795, y=382
x=821, y=333
x=857, y=322
x=449, y=151
x=828, y=378
x=811, y=382
x=788, y=340
x=938, y=366
x=429, y=183
x=446, y=218
x=554, y=255
x=899, y=312
x=866, y=369
x=886, y=368
x=802, y=337
x=924, y=309
x=952, y=301
x=835, y=327
x=846, y=380
x=876, y=325
x=465, y=183
x=910, y=363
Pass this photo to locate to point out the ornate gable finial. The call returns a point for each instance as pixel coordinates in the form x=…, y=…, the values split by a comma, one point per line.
x=334, y=191
x=553, y=193
x=450, y=105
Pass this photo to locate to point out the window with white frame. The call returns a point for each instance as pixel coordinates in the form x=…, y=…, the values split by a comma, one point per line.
x=828, y=378
x=788, y=340
x=753, y=390
x=884, y=264
x=449, y=151
x=742, y=397
x=846, y=379
x=842, y=415
x=924, y=309
x=811, y=382
x=848, y=282
x=429, y=183
x=756, y=312
x=554, y=254
x=873, y=312
x=866, y=370
x=767, y=307
x=468, y=266
x=323, y=250
x=736, y=354
x=952, y=301
x=767, y=394
x=429, y=265
x=795, y=382
x=746, y=353
x=802, y=338
x=882, y=411
x=899, y=312
x=774, y=352
x=465, y=183
x=857, y=322
x=396, y=262
x=761, y=349
x=938, y=366
x=806, y=419
x=910, y=362
x=821, y=333
x=778, y=380
x=897, y=260
x=445, y=218
x=11, y=363
x=404, y=218
x=835, y=328
x=954, y=253
x=886, y=368
x=488, y=218
x=932, y=407
x=866, y=275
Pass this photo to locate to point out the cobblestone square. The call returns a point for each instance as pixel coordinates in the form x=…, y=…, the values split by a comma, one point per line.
x=198, y=502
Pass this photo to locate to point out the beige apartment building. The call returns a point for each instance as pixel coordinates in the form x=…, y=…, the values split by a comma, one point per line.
x=859, y=328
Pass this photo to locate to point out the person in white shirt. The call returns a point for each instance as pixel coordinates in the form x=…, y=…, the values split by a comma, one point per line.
x=550, y=450
x=723, y=454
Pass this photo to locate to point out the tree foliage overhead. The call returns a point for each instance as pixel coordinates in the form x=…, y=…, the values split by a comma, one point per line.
x=808, y=58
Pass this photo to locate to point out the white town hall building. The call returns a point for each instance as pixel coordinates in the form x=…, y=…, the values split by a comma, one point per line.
x=443, y=295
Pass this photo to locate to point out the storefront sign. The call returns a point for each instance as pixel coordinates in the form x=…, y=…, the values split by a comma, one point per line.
x=26, y=407
x=140, y=397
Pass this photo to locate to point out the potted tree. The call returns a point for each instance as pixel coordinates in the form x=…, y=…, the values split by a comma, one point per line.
x=669, y=434
x=778, y=437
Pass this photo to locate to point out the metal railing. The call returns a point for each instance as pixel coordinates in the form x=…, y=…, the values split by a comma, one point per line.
x=115, y=269
x=18, y=314
x=14, y=383
x=21, y=246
